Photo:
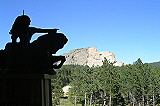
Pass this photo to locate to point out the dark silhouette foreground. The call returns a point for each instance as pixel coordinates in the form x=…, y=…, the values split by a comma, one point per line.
x=35, y=57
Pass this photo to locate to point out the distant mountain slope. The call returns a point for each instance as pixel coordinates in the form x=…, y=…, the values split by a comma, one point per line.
x=155, y=63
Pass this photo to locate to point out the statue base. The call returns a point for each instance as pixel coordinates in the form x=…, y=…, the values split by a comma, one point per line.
x=25, y=89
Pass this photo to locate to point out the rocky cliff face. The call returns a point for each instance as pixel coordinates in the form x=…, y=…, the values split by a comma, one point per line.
x=89, y=56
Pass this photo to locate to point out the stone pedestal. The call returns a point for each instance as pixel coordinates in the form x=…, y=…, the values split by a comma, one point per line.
x=25, y=89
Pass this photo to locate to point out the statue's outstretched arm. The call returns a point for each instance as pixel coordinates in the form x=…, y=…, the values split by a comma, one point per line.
x=39, y=30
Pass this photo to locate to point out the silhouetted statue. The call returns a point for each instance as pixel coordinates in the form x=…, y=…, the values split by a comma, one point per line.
x=23, y=56
x=21, y=29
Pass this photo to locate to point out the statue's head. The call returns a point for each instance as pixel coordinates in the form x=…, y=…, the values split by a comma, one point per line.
x=22, y=21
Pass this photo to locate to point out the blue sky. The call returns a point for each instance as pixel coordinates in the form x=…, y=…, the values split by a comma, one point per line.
x=128, y=28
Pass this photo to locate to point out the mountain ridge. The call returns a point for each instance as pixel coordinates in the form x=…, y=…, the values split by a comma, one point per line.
x=155, y=64
x=89, y=56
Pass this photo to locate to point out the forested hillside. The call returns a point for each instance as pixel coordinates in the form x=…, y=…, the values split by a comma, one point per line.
x=135, y=84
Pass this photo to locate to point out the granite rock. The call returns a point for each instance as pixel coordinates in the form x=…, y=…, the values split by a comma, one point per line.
x=89, y=56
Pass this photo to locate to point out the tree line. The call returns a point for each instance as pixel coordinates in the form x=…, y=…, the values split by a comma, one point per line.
x=137, y=84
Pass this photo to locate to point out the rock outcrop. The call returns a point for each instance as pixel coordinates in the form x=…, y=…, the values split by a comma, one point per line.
x=89, y=56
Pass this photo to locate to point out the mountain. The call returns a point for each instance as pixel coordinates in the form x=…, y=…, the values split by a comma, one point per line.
x=89, y=56
x=155, y=63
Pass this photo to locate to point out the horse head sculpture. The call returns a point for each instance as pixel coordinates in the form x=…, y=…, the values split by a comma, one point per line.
x=38, y=55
